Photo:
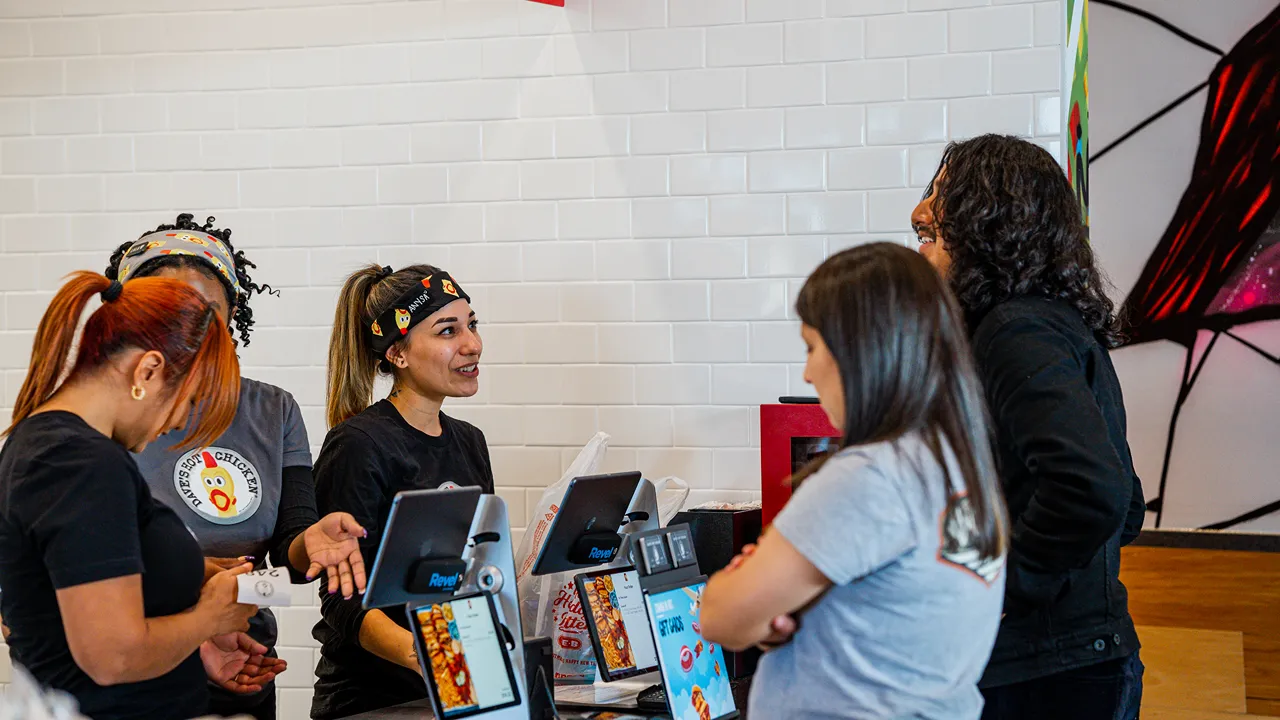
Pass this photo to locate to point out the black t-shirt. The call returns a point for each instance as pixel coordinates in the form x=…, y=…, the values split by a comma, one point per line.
x=365, y=461
x=73, y=510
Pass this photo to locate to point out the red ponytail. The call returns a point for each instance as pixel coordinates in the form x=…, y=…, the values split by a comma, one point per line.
x=151, y=313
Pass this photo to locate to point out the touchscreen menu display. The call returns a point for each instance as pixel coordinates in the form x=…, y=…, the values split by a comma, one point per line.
x=465, y=658
x=619, y=624
x=693, y=670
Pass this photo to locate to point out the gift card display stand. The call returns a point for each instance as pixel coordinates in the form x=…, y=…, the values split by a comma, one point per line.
x=484, y=561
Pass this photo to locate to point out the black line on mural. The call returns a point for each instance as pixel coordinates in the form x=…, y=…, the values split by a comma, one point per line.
x=1150, y=119
x=1162, y=23
x=1273, y=358
x=1184, y=391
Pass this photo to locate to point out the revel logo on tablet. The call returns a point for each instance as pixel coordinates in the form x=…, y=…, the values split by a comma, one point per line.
x=443, y=582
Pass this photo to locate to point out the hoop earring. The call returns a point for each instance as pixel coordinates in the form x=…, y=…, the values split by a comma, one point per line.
x=138, y=392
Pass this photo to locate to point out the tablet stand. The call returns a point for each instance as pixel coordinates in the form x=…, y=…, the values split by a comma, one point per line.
x=490, y=568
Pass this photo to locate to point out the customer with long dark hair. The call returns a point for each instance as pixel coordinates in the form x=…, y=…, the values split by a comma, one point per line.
x=891, y=550
x=105, y=593
x=1000, y=222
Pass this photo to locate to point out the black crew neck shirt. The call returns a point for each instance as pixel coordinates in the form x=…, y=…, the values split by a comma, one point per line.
x=74, y=509
x=364, y=462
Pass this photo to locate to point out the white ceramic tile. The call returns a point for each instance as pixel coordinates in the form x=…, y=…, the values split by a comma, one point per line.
x=631, y=177
x=595, y=219
x=633, y=260
x=737, y=215
x=748, y=300
x=600, y=385
x=776, y=342
x=590, y=54
x=519, y=139
x=638, y=426
x=708, y=174
x=592, y=137
x=44, y=156
x=832, y=212
x=667, y=49
x=668, y=133
x=672, y=301
x=1049, y=115
x=711, y=426
x=557, y=344
x=710, y=342
x=906, y=35
x=481, y=182
x=629, y=93
x=739, y=130
x=669, y=218
x=864, y=81
x=412, y=184
x=946, y=76
x=628, y=14
x=742, y=45
x=717, y=89
x=597, y=302
x=673, y=384
x=786, y=171
x=924, y=161
x=845, y=8
x=388, y=145
x=505, y=222
x=518, y=57
x=827, y=40
x=784, y=256
x=995, y=28
x=523, y=303
x=559, y=261
x=747, y=384
x=827, y=126
x=556, y=179
x=691, y=465
x=865, y=168
x=1048, y=23
x=906, y=123
x=556, y=97
x=696, y=259
x=785, y=86
x=1011, y=115
x=1023, y=71
x=633, y=343
x=890, y=210
x=560, y=425
x=736, y=469
x=761, y=11
x=707, y=12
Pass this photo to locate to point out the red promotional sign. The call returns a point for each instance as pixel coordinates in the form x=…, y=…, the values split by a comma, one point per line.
x=557, y=3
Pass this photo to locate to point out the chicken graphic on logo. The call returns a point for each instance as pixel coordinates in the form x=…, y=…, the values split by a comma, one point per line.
x=221, y=267
x=448, y=287
x=377, y=329
x=402, y=321
x=172, y=251
x=220, y=486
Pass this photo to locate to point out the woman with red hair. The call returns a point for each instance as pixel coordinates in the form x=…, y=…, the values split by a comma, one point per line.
x=106, y=594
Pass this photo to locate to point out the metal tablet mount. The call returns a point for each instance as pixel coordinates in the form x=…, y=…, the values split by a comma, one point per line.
x=491, y=569
x=642, y=515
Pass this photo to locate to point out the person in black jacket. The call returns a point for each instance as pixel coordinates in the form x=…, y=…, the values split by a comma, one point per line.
x=1000, y=221
x=417, y=326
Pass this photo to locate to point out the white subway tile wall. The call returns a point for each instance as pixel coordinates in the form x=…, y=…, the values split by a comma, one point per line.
x=631, y=190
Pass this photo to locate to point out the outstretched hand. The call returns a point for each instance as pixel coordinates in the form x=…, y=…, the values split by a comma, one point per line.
x=333, y=547
x=239, y=664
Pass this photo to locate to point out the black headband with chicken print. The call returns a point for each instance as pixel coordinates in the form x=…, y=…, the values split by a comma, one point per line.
x=411, y=308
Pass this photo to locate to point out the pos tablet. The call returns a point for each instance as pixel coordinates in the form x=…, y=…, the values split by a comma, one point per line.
x=613, y=606
x=693, y=670
x=421, y=550
x=584, y=532
x=464, y=658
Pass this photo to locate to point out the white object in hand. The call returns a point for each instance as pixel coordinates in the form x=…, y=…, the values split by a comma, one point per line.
x=265, y=588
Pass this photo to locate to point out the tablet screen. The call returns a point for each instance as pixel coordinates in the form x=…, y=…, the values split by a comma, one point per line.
x=693, y=670
x=465, y=659
x=614, y=607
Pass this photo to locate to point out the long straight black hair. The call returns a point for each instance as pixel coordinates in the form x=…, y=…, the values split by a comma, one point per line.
x=899, y=340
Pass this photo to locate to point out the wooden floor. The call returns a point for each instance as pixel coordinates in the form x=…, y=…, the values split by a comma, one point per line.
x=1210, y=631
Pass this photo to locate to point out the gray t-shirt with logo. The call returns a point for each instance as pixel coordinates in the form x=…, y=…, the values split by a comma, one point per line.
x=909, y=624
x=229, y=493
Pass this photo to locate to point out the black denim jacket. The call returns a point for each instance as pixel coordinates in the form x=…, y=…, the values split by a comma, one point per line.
x=1074, y=498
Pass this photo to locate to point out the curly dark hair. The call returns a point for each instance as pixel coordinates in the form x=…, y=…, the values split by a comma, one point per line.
x=1013, y=227
x=243, y=316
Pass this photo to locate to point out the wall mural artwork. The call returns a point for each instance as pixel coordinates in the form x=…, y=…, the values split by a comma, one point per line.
x=1216, y=267
x=1076, y=61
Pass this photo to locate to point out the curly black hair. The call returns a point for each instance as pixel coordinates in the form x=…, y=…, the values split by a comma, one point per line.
x=1012, y=225
x=243, y=316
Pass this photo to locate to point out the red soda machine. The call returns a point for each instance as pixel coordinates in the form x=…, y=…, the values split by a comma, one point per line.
x=792, y=432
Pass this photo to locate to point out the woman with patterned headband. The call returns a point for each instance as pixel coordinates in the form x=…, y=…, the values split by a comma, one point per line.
x=417, y=326
x=249, y=493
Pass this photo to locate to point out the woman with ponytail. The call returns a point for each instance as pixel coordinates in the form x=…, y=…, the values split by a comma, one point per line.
x=106, y=595
x=415, y=325
x=248, y=494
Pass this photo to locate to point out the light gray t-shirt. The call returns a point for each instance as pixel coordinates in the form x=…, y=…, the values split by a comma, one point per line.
x=909, y=624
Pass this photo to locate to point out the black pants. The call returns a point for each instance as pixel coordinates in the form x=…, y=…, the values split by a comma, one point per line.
x=1110, y=690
